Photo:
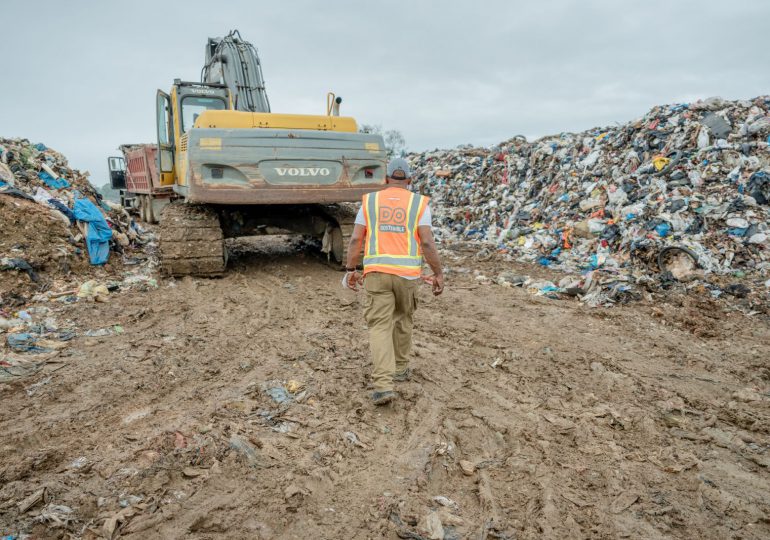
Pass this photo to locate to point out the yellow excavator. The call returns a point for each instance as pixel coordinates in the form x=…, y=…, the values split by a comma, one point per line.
x=230, y=167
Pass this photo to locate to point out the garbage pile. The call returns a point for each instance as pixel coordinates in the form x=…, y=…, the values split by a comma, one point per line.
x=680, y=195
x=55, y=226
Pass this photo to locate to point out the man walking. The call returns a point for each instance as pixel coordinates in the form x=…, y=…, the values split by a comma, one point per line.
x=395, y=225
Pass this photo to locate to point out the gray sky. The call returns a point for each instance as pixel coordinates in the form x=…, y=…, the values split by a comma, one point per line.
x=81, y=76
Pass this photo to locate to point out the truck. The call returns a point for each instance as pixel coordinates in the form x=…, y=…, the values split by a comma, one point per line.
x=226, y=166
x=135, y=175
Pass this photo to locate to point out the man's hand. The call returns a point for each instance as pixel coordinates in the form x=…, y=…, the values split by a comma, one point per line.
x=430, y=253
x=438, y=284
x=353, y=280
x=436, y=281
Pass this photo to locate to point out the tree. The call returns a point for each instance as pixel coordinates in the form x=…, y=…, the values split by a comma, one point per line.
x=395, y=144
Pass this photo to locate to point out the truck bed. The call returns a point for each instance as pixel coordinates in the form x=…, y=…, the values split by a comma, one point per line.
x=141, y=170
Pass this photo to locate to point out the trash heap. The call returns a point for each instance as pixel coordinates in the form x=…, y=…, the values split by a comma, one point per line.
x=605, y=203
x=56, y=228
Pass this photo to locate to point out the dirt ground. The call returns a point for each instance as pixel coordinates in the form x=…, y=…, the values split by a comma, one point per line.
x=238, y=408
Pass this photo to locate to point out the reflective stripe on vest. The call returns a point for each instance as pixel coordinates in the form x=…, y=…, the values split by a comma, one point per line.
x=392, y=217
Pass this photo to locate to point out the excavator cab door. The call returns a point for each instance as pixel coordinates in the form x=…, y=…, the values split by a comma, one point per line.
x=165, y=138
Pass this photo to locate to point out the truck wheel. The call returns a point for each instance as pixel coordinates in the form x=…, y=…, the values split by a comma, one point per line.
x=142, y=208
x=150, y=210
x=191, y=241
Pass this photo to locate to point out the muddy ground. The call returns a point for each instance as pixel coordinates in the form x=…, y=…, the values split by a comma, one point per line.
x=527, y=417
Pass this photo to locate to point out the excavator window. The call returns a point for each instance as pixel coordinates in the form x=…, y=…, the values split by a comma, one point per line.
x=164, y=128
x=193, y=106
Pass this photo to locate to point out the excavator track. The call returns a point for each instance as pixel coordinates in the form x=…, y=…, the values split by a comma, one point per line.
x=191, y=241
x=345, y=216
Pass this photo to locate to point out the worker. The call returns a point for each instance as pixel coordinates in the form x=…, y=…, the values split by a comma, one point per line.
x=395, y=225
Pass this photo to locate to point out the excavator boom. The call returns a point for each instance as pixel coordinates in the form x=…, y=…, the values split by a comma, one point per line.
x=234, y=62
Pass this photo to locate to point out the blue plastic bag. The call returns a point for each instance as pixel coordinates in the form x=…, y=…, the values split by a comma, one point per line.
x=663, y=229
x=51, y=182
x=23, y=342
x=99, y=232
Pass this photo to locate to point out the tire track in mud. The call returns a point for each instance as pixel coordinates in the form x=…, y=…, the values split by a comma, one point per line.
x=583, y=429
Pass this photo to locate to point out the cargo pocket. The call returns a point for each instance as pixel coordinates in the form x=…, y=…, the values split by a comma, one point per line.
x=368, y=300
x=414, y=301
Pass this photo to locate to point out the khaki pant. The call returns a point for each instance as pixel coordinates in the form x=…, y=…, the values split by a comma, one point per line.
x=389, y=305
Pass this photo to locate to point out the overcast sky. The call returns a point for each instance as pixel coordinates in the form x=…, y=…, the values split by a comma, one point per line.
x=81, y=76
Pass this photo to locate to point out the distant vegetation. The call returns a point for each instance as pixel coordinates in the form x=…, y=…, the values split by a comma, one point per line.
x=108, y=193
x=395, y=143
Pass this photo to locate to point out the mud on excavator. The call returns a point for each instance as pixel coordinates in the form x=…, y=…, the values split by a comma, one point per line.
x=230, y=167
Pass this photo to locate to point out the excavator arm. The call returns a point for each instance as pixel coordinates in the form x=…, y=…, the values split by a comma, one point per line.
x=234, y=62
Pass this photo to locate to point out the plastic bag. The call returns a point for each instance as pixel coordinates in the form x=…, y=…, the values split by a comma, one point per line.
x=99, y=232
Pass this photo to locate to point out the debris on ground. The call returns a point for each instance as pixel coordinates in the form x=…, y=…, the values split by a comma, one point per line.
x=225, y=408
x=57, y=229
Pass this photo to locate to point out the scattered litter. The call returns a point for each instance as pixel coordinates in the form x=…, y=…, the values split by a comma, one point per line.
x=38, y=497
x=284, y=427
x=102, y=332
x=93, y=290
x=245, y=450
x=7, y=263
x=128, y=500
x=25, y=342
x=445, y=501
x=434, y=527
x=294, y=386
x=279, y=394
x=33, y=388
x=56, y=515
x=353, y=439
x=12, y=368
x=679, y=261
x=78, y=463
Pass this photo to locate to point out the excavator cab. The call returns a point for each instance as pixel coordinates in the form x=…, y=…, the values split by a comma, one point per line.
x=176, y=114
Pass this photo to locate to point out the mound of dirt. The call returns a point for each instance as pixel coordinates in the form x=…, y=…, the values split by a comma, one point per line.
x=34, y=234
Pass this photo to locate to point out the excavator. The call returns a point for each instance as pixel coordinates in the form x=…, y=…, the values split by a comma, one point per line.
x=233, y=168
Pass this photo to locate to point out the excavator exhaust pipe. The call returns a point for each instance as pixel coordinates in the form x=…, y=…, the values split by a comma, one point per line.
x=333, y=104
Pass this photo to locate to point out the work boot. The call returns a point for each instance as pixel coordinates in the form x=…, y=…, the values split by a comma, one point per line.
x=381, y=398
x=401, y=376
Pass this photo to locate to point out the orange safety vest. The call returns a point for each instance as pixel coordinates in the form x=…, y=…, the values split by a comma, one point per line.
x=392, y=243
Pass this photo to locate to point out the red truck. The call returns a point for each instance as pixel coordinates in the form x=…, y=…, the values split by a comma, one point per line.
x=135, y=175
